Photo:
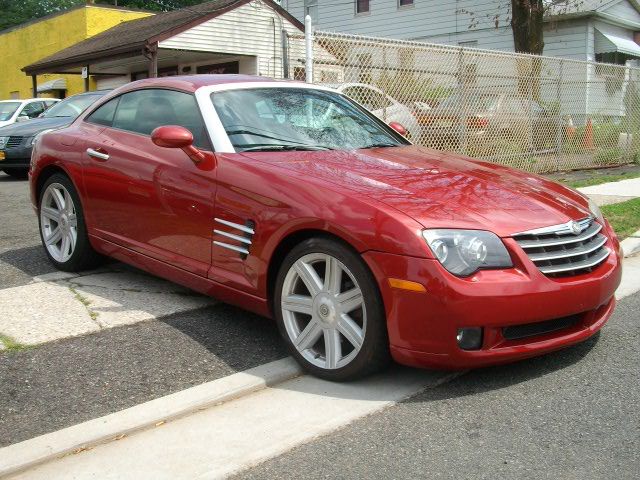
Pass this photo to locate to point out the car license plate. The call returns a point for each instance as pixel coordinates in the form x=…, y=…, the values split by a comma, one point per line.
x=2, y=156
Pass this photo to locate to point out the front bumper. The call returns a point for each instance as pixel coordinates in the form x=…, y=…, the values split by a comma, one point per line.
x=423, y=325
x=17, y=157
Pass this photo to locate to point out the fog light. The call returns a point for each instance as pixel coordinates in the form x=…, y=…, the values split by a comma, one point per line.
x=469, y=338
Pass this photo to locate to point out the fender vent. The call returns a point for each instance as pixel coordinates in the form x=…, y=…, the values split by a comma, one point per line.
x=234, y=236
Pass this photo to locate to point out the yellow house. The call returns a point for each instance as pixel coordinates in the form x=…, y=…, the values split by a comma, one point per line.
x=27, y=43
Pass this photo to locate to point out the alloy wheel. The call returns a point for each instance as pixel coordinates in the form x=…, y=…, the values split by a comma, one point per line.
x=58, y=222
x=323, y=311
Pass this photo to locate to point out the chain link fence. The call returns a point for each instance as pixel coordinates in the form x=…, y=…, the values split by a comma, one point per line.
x=535, y=113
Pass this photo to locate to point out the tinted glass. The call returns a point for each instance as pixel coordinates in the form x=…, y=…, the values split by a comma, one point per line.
x=143, y=111
x=33, y=109
x=72, y=106
x=297, y=118
x=7, y=109
x=104, y=114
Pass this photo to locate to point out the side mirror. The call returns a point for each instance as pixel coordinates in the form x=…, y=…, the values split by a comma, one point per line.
x=174, y=136
x=22, y=118
x=398, y=127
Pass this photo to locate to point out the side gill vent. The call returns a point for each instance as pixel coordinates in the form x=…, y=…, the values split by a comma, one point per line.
x=234, y=236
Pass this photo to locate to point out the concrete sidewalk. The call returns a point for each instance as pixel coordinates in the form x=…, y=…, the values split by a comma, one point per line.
x=613, y=192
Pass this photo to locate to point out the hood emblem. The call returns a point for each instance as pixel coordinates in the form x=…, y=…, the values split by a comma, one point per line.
x=575, y=227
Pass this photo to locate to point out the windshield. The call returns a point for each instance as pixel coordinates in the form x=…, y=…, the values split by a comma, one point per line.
x=71, y=107
x=298, y=119
x=7, y=109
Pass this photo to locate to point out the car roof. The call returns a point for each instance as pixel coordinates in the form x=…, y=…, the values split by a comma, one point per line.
x=27, y=100
x=191, y=83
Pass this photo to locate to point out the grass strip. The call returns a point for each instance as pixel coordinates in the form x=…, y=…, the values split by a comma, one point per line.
x=624, y=217
x=600, y=179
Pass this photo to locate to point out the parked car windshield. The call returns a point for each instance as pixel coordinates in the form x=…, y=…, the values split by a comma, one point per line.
x=72, y=106
x=298, y=119
x=7, y=109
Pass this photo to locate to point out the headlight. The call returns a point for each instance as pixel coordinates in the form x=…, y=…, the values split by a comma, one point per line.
x=3, y=141
x=595, y=210
x=464, y=252
x=35, y=137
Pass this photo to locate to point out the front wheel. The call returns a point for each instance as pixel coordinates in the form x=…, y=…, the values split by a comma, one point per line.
x=329, y=311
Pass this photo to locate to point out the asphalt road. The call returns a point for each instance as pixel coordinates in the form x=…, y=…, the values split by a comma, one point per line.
x=21, y=256
x=574, y=414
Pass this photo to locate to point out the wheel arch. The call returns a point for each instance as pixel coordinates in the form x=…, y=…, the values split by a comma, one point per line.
x=288, y=242
x=46, y=173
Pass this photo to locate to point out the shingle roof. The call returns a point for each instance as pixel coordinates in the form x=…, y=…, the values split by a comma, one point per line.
x=134, y=35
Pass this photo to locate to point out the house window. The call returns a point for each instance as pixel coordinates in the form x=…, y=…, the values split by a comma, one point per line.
x=362, y=6
x=405, y=3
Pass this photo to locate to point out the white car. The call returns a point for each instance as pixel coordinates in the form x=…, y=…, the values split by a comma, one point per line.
x=12, y=111
x=382, y=106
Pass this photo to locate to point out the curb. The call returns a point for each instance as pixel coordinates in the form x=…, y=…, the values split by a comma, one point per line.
x=631, y=245
x=30, y=453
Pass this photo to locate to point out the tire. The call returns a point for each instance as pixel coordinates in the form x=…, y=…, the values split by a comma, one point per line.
x=17, y=173
x=333, y=332
x=70, y=250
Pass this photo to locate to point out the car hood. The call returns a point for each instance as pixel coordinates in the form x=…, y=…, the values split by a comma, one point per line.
x=34, y=126
x=441, y=190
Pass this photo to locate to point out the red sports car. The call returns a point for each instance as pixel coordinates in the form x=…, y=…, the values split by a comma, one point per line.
x=293, y=201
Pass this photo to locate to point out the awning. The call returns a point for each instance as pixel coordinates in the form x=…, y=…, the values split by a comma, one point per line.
x=607, y=41
x=57, y=84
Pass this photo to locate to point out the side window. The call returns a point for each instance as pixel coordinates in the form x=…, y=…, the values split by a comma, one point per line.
x=33, y=109
x=104, y=115
x=143, y=111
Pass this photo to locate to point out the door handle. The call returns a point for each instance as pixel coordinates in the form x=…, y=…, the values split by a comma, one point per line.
x=96, y=154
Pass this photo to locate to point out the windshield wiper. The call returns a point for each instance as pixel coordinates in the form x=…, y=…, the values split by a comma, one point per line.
x=380, y=145
x=282, y=148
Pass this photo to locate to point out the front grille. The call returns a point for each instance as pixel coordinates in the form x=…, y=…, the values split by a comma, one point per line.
x=14, y=142
x=561, y=251
x=517, y=332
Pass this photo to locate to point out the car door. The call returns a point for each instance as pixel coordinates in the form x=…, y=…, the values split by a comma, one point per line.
x=150, y=199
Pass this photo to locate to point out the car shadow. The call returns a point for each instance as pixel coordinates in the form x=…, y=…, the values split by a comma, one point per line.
x=31, y=261
x=240, y=339
x=478, y=381
x=4, y=178
x=417, y=385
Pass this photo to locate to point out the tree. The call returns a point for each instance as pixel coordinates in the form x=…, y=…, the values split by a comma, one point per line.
x=15, y=13
x=526, y=23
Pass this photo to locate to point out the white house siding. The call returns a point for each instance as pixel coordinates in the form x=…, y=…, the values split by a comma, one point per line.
x=622, y=9
x=426, y=18
x=566, y=39
x=252, y=29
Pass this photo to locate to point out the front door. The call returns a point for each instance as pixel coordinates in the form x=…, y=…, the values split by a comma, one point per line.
x=150, y=199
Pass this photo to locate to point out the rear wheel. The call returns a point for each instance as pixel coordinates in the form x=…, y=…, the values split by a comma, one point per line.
x=62, y=227
x=330, y=312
